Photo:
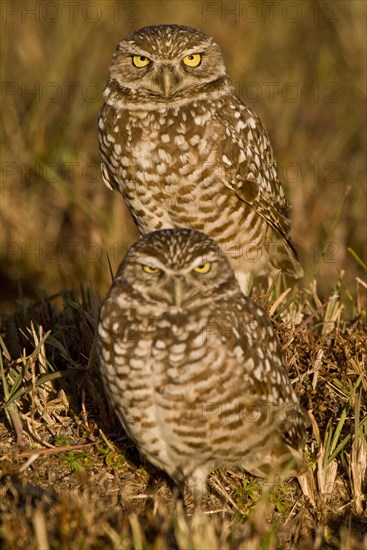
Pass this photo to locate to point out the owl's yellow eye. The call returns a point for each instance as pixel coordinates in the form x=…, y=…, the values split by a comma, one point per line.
x=149, y=269
x=140, y=61
x=192, y=60
x=205, y=268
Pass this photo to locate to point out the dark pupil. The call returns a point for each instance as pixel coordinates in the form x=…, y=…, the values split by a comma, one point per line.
x=142, y=58
x=191, y=57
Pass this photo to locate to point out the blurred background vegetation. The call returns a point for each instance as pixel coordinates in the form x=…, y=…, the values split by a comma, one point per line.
x=300, y=65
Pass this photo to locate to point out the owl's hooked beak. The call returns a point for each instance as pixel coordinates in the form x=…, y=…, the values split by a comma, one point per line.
x=178, y=292
x=167, y=80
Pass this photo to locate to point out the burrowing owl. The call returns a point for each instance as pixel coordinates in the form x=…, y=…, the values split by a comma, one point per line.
x=185, y=152
x=192, y=367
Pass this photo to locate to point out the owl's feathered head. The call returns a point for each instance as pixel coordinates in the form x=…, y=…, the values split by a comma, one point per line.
x=167, y=62
x=175, y=268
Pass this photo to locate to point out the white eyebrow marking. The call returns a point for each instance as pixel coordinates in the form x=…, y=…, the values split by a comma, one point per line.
x=154, y=262
x=200, y=260
x=151, y=261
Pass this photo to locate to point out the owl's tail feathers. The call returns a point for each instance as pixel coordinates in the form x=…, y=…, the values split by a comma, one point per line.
x=245, y=281
x=284, y=257
x=278, y=462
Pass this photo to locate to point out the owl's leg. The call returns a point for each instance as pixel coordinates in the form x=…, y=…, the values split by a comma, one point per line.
x=197, y=486
x=178, y=492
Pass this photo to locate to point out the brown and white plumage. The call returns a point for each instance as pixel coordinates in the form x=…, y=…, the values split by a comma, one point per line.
x=184, y=151
x=192, y=367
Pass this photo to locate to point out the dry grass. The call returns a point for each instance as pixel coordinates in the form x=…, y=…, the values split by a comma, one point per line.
x=69, y=476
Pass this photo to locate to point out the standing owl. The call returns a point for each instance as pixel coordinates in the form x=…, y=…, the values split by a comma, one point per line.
x=192, y=367
x=184, y=151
